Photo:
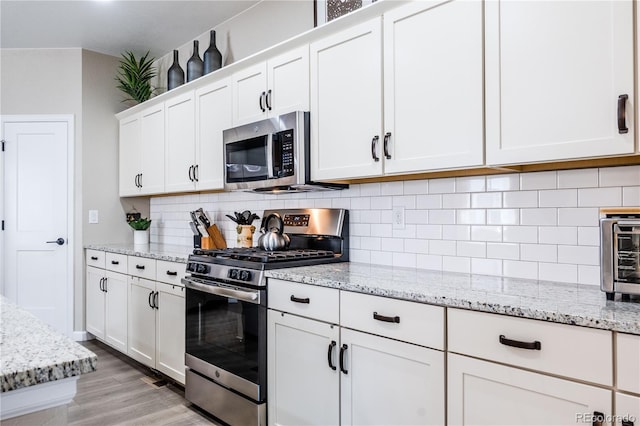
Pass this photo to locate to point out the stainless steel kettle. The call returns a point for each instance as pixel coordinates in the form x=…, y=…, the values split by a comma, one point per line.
x=273, y=238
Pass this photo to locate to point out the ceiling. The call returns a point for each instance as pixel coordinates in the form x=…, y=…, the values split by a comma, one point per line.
x=112, y=27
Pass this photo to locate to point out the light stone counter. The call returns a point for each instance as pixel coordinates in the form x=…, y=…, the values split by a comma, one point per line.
x=170, y=253
x=542, y=300
x=34, y=356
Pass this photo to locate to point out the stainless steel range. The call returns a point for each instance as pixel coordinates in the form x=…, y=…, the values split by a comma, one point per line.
x=226, y=312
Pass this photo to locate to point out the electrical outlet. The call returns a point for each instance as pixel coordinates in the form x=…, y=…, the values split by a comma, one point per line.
x=93, y=216
x=397, y=217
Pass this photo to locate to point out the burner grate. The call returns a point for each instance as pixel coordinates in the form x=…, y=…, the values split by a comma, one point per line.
x=264, y=256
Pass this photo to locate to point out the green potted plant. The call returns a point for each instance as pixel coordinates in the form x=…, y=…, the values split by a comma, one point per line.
x=134, y=76
x=140, y=230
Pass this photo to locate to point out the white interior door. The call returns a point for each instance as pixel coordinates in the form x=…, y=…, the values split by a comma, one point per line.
x=36, y=269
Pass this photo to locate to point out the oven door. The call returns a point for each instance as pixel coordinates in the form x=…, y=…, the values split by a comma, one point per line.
x=627, y=250
x=226, y=335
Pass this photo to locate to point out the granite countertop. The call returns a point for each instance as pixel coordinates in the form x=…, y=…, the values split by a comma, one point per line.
x=32, y=352
x=572, y=304
x=166, y=252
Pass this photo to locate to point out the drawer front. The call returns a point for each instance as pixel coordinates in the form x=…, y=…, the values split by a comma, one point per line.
x=95, y=258
x=116, y=262
x=170, y=272
x=628, y=362
x=310, y=301
x=142, y=267
x=397, y=319
x=566, y=350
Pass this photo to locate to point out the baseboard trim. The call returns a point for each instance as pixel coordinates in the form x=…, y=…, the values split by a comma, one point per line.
x=81, y=336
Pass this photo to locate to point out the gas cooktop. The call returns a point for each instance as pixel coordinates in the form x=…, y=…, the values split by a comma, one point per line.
x=263, y=256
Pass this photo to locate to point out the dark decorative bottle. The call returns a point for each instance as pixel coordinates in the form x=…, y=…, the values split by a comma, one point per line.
x=212, y=56
x=175, y=75
x=195, y=66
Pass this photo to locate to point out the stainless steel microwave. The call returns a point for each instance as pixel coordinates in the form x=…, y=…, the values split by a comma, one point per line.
x=271, y=155
x=620, y=250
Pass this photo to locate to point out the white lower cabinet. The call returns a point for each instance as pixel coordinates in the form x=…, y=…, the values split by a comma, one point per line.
x=627, y=410
x=156, y=326
x=484, y=393
x=107, y=306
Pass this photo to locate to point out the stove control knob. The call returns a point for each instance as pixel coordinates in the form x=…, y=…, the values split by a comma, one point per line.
x=191, y=267
x=245, y=275
x=202, y=269
x=233, y=273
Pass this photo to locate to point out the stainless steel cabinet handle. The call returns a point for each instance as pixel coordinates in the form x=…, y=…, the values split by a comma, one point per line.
x=374, y=145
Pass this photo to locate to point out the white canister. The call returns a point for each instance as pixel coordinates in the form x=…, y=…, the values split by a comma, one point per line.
x=140, y=237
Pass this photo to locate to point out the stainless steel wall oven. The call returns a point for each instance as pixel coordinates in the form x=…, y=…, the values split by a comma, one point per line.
x=620, y=254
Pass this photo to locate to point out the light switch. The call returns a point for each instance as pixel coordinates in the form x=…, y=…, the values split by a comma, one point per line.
x=93, y=216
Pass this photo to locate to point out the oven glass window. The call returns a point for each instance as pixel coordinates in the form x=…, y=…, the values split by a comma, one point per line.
x=247, y=160
x=227, y=333
x=628, y=252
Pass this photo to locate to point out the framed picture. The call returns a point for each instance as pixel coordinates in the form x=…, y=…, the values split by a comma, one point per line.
x=328, y=10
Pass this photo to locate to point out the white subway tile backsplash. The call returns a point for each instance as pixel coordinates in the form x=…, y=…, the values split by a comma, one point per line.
x=558, y=198
x=538, y=180
x=620, y=176
x=528, y=225
x=580, y=178
x=491, y=200
x=558, y=272
x=547, y=216
x=599, y=197
x=503, y=251
x=631, y=196
x=442, y=186
x=471, y=217
x=520, y=199
x=558, y=235
x=578, y=216
x=456, y=201
x=520, y=234
x=579, y=255
x=471, y=184
x=510, y=182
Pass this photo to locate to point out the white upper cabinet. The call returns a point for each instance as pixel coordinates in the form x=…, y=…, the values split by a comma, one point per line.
x=433, y=83
x=556, y=78
x=273, y=87
x=346, y=103
x=130, y=153
x=151, y=180
x=180, y=143
x=213, y=115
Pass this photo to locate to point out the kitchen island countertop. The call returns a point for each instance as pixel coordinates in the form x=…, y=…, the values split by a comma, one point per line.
x=573, y=304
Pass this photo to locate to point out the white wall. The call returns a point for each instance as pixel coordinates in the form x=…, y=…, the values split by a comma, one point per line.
x=540, y=225
x=260, y=27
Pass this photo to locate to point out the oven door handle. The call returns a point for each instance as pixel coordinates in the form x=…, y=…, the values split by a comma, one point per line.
x=245, y=296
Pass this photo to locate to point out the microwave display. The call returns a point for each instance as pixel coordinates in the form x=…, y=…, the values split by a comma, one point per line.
x=246, y=160
x=283, y=154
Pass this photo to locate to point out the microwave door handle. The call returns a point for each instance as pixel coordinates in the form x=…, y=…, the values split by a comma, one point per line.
x=270, y=156
x=634, y=224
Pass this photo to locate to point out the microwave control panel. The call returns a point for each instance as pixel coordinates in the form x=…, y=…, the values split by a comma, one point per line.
x=283, y=155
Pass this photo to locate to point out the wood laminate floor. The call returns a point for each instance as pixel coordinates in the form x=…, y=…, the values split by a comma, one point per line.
x=123, y=392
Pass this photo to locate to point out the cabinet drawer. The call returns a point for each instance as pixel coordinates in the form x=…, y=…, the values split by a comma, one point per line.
x=398, y=319
x=142, y=267
x=170, y=272
x=566, y=350
x=628, y=362
x=310, y=301
x=116, y=262
x=95, y=258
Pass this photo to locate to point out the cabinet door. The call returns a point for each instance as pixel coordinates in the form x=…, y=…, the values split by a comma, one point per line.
x=553, y=81
x=180, y=155
x=390, y=382
x=249, y=92
x=213, y=115
x=170, y=340
x=95, y=301
x=627, y=410
x=303, y=387
x=129, y=155
x=346, y=103
x=116, y=311
x=433, y=102
x=152, y=152
x=288, y=88
x=142, y=321
x=484, y=393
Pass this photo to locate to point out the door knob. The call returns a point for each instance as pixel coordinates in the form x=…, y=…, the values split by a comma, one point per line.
x=59, y=241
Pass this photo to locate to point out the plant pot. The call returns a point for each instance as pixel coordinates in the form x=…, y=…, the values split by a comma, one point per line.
x=140, y=237
x=245, y=235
